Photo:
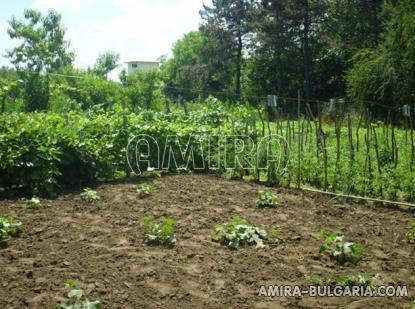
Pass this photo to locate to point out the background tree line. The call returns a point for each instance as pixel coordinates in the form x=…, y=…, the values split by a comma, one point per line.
x=362, y=50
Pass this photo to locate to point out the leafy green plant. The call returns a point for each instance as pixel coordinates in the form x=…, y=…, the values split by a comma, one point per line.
x=77, y=298
x=35, y=202
x=266, y=199
x=317, y=280
x=89, y=195
x=238, y=232
x=340, y=250
x=411, y=234
x=9, y=227
x=144, y=190
x=161, y=233
x=360, y=279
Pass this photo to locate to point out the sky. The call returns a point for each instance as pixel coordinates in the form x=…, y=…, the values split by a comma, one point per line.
x=137, y=29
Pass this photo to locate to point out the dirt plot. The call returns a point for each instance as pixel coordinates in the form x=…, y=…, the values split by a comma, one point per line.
x=101, y=245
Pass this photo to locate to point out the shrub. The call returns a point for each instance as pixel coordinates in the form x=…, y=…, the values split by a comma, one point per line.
x=89, y=195
x=266, y=199
x=144, y=190
x=77, y=298
x=340, y=250
x=238, y=232
x=161, y=233
x=9, y=227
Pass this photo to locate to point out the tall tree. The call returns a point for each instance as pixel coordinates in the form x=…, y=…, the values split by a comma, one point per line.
x=105, y=63
x=42, y=49
x=230, y=20
x=385, y=74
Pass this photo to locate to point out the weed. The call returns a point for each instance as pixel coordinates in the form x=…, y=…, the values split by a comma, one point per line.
x=89, y=195
x=238, y=232
x=161, y=233
x=77, y=298
x=340, y=250
x=9, y=227
x=144, y=190
x=266, y=199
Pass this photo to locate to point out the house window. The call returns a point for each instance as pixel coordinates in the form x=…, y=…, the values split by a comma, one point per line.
x=134, y=65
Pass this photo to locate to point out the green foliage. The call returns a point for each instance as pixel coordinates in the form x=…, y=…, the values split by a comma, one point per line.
x=77, y=298
x=144, y=190
x=42, y=49
x=359, y=279
x=340, y=250
x=35, y=202
x=317, y=280
x=187, y=73
x=142, y=90
x=161, y=233
x=105, y=63
x=239, y=232
x=384, y=74
x=9, y=227
x=411, y=235
x=266, y=199
x=89, y=195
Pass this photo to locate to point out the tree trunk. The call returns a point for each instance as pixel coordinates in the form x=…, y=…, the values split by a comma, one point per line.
x=306, y=52
x=238, y=67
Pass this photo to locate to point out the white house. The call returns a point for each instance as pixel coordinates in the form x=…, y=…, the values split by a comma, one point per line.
x=134, y=66
x=131, y=67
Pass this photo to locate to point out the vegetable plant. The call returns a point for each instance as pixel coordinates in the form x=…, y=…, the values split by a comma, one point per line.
x=238, y=232
x=266, y=199
x=340, y=250
x=317, y=280
x=144, y=190
x=411, y=234
x=35, y=202
x=77, y=298
x=159, y=233
x=9, y=227
x=359, y=279
x=89, y=195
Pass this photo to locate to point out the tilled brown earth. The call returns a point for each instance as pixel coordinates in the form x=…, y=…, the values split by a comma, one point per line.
x=101, y=245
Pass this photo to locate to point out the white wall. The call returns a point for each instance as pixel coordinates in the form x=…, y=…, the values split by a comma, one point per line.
x=141, y=66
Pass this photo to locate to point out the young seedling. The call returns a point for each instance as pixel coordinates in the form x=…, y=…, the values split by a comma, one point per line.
x=238, y=232
x=9, y=227
x=359, y=279
x=35, y=203
x=89, y=195
x=340, y=250
x=77, y=298
x=161, y=233
x=266, y=199
x=317, y=280
x=411, y=234
x=144, y=190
